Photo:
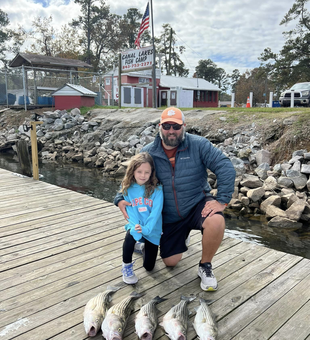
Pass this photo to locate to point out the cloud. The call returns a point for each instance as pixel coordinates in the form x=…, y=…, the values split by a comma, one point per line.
x=232, y=33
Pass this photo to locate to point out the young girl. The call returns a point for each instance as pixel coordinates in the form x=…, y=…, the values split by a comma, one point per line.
x=140, y=187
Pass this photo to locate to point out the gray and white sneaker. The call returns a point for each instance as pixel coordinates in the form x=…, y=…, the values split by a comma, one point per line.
x=139, y=248
x=129, y=276
x=208, y=280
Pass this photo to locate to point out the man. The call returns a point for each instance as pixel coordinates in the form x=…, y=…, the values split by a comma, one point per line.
x=181, y=161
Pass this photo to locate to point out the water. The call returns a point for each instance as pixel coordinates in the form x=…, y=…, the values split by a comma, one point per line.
x=91, y=182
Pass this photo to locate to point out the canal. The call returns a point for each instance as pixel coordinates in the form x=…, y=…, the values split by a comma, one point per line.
x=91, y=182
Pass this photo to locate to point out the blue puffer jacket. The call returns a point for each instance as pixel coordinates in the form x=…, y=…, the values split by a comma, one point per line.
x=186, y=184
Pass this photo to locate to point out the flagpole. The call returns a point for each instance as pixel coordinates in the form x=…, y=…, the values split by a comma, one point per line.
x=154, y=102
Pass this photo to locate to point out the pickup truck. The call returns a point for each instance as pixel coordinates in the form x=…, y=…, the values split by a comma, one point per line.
x=301, y=95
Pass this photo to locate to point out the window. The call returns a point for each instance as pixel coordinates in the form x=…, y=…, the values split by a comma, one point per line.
x=107, y=81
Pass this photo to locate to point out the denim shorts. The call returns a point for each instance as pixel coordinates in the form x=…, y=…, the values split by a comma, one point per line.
x=174, y=235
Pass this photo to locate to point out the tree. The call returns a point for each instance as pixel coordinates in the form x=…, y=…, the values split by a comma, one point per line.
x=292, y=64
x=256, y=81
x=209, y=71
x=102, y=31
x=132, y=21
x=235, y=76
x=4, y=35
x=165, y=44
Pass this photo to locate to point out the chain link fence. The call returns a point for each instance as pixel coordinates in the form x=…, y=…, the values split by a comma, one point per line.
x=27, y=86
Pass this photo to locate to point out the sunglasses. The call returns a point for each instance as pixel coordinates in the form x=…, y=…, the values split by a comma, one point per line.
x=167, y=126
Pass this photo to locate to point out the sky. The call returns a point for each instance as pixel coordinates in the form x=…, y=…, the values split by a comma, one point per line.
x=232, y=33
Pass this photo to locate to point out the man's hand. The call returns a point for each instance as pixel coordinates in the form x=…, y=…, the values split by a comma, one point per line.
x=138, y=228
x=122, y=206
x=212, y=207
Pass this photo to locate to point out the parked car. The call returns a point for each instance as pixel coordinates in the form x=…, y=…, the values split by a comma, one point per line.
x=301, y=95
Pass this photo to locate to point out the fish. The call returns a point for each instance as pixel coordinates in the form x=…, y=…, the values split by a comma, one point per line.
x=95, y=310
x=147, y=319
x=115, y=321
x=176, y=319
x=204, y=322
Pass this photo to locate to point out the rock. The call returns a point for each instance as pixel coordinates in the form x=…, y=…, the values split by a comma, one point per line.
x=295, y=159
x=305, y=169
x=261, y=170
x=78, y=157
x=238, y=165
x=75, y=112
x=295, y=211
x=282, y=222
x=256, y=194
x=308, y=185
x=296, y=166
x=251, y=181
x=299, y=153
x=307, y=155
x=263, y=156
x=272, y=211
x=277, y=168
x=245, y=201
x=270, y=183
x=299, y=182
x=285, y=182
x=285, y=166
x=274, y=200
x=292, y=199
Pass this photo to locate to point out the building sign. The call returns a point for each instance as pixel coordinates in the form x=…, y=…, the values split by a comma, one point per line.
x=133, y=60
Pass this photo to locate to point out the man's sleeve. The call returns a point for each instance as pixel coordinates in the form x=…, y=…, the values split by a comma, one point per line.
x=119, y=197
x=222, y=167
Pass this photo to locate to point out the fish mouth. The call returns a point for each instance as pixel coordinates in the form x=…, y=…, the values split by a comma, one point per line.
x=92, y=331
x=116, y=338
x=181, y=337
x=146, y=336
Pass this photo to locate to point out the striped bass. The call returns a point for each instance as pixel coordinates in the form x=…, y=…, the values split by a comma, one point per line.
x=176, y=320
x=147, y=319
x=115, y=321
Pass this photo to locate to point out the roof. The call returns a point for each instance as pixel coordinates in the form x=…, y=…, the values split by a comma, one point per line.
x=35, y=60
x=71, y=89
x=187, y=83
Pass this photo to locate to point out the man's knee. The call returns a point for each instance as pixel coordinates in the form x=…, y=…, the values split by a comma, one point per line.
x=216, y=222
x=172, y=260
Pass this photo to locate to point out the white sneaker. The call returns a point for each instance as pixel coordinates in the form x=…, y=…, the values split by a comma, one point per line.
x=139, y=248
x=129, y=276
x=187, y=241
x=208, y=280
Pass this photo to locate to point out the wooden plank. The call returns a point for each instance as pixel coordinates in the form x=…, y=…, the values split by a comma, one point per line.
x=298, y=325
x=93, y=286
x=236, y=319
x=281, y=311
x=14, y=230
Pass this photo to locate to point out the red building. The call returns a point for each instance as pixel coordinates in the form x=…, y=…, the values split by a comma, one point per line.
x=171, y=91
x=72, y=96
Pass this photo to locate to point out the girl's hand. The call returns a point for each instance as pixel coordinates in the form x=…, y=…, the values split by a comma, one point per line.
x=138, y=228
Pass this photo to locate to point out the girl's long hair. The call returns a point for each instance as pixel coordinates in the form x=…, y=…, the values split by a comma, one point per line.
x=135, y=162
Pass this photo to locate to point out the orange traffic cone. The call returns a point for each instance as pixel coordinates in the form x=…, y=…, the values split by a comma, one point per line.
x=248, y=102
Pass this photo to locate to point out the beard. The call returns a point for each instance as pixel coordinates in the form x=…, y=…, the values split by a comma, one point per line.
x=172, y=142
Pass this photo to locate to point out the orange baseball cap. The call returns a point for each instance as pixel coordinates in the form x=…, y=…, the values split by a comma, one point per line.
x=172, y=114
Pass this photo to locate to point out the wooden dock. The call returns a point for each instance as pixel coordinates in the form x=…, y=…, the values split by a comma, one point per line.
x=59, y=248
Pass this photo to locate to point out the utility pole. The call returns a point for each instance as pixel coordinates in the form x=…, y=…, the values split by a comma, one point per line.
x=170, y=43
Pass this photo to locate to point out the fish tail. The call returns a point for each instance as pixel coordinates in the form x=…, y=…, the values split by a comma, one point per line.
x=188, y=298
x=114, y=288
x=135, y=295
x=158, y=299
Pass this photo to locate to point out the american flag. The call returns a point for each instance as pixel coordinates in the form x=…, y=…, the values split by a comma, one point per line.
x=144, y=25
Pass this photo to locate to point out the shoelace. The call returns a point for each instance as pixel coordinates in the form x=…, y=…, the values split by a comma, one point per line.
x=207, y=271
x=128, y=270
